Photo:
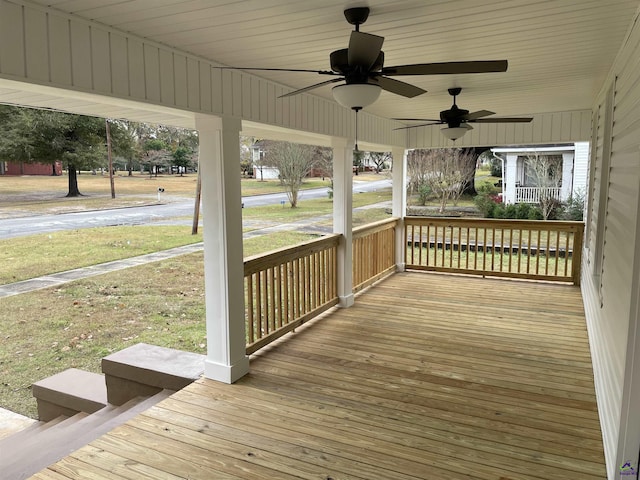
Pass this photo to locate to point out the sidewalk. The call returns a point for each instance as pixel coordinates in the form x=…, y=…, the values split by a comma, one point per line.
x=307, y=225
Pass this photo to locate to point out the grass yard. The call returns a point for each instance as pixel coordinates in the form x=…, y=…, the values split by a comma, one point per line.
x=76, y=324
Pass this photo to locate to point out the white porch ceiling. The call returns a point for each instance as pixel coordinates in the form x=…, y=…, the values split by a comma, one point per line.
x=559, y=51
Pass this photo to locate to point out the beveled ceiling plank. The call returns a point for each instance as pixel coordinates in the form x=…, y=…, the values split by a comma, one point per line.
x=170, y=19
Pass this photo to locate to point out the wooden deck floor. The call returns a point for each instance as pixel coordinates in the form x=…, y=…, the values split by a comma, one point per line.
x=427, y=376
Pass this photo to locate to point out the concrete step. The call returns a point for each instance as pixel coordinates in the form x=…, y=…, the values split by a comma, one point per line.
x=70, y=392
x=46, y=447
x=142, y=370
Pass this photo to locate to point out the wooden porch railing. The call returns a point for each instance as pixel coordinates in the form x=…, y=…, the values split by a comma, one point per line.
x=540, y=250
x=373, y=252
x=533, y=194
x=287, y=287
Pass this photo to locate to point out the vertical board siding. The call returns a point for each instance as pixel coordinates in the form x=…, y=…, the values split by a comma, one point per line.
x=101, y=61
x=37, y=57
x=59, y=53
x=193, y=84
x=136, y=69
x=166, y=77
x=180, y=82
x=613, y=210
x=119, y=65
x=12, y=45
x=151, y=62
x=81, y=55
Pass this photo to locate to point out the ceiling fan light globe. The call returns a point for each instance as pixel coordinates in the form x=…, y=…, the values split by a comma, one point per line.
x=356, y=95
x=454, y=133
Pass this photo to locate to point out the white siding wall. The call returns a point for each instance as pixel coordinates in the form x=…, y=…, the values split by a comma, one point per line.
x=45, y=47
x=565, y=127
x=580, y=167
x=613, y=247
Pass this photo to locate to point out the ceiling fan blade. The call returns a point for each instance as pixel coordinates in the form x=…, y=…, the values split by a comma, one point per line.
x=364, y=49
x=503, y=120
x=420, y=125
x=398, y=87
x=478, y=114
x=448, y=68
x=311, y=87
x=417, y=119
x=321, y=72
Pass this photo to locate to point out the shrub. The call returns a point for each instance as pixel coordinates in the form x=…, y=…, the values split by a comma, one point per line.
x=486, y=205
x=535, y=213
x=424, y=191
x=573, y=209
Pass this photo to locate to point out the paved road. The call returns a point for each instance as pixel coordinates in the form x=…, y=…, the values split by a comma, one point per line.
x=17, y=227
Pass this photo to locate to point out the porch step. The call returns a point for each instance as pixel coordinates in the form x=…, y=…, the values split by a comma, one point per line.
x=70, y=392
x=142, y=370
x=22, y=457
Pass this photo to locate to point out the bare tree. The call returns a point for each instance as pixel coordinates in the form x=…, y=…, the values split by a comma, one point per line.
x=294, y=162
x=545, y=171
x=380, y=159
x=445, y=171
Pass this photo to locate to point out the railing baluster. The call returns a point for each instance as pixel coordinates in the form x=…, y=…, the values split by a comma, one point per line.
x=501, y=251
x=484, y=249
x=566, y=253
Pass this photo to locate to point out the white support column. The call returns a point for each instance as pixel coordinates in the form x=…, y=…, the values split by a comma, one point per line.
x=399, y=201
x=223, y=260
x=567, y=176
x=342, y=215
x=510, y=177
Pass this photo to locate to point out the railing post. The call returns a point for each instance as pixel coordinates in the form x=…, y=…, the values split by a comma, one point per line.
x=576, y=262
x=399, y=203
x=342, y=216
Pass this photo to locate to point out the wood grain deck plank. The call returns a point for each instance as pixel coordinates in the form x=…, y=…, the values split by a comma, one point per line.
x=428, y=376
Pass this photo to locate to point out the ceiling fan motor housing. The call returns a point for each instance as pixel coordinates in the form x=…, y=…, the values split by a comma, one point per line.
x=339, y=60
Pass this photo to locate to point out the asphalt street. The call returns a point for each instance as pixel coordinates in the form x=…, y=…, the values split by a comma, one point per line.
x=39, y=224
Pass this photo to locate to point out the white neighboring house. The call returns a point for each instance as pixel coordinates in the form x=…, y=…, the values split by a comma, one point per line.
x=518, y=186
x=260, y=170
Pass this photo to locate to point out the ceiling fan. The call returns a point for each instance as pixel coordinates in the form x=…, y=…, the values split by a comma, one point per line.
x=361, y=68
x=457, y=120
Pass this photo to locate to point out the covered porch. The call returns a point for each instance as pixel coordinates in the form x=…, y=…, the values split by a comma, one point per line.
x=468, y=378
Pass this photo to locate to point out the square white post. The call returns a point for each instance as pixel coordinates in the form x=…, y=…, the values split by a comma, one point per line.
x=510, y=178
x=342, y=215
x=399, y=201
x=223, y=260
x=566, y=188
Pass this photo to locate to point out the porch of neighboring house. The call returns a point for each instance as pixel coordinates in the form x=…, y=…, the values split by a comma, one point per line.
x=426, y=376
x=521, y=180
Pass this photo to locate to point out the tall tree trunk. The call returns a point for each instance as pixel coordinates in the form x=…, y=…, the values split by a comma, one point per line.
x=73, y=182
x=53, y=170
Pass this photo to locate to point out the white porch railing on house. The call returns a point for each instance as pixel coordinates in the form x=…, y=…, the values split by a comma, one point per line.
x=533, y=194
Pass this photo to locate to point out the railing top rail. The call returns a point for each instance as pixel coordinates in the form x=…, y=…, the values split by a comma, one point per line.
x=553, y=225
x=374, y=227
x=257, y=263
